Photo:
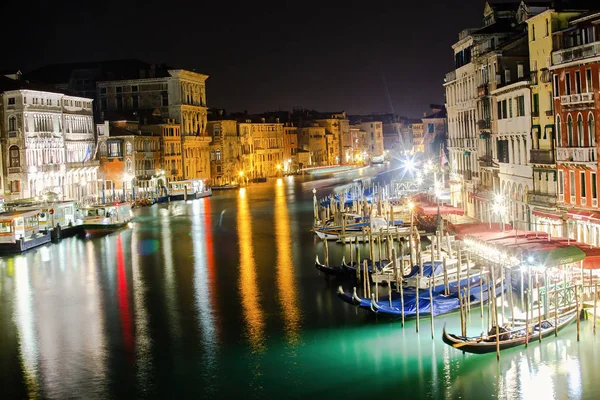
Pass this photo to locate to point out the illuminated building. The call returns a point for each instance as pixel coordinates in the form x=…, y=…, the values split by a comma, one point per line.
x=47, y=141
x=224, y=151
x=575, y=79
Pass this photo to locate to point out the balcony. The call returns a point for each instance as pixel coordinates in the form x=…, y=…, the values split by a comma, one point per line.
x=144, y=174
x=463, y=143
x=483, y=90
x=549, y=113
x=14, y=170
x=576, y=154
x=538, y=156
x=484, y=123
x=577, y=99
x=533, y=78
x=450, y=76
x=542, y=199
x=90, y=163
x=576, y=53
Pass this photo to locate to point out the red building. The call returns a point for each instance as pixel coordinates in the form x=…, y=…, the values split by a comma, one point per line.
x=576, y=85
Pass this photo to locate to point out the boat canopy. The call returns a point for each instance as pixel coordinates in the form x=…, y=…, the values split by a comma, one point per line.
x=12, y=215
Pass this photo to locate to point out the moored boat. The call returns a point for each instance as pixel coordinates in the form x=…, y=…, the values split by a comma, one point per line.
x=105, y=218
x=509, y=338
x=20, y=231
x=187, y=190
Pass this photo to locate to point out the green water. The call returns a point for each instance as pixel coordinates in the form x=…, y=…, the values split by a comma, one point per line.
x=219, y=298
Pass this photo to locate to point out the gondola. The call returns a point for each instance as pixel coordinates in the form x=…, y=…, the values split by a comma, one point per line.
x=338, y=271
x=508, y=339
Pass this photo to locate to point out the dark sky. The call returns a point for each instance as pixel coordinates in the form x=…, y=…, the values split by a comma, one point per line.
x=328, y=55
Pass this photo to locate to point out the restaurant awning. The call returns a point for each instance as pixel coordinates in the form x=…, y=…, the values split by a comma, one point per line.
x=585, y=216
x=432, y=209
x=546, y=214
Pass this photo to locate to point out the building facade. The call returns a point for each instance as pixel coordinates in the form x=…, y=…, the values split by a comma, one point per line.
x=173, y=93
x=374, y=137
x=130, y=159
x=263, y=143
x=576, y=73
x=542, y=199
x=312, y=140
x=225, y=152
x=48, y=144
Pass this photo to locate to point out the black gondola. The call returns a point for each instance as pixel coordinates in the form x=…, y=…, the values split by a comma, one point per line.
x=508, y=339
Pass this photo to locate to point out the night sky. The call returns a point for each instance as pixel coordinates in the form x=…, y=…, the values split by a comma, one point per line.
x=260, y=56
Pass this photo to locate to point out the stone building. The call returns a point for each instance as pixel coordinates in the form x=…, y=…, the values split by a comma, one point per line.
x=374, y=137
x=225, y=152
x=130, y=159
x=47, y=142
x=416, y=129
x=435, y=130
x=575, y=76
x=313, y=140
x=337, y=135
x=174, y=93
x=262, y=148
x=542, y=196
x=290, y=148
x=171, y=154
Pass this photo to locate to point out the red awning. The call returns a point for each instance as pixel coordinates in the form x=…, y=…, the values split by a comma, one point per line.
x=545, y=214
x=475, y=228
x=592, y=257
x=584, y=216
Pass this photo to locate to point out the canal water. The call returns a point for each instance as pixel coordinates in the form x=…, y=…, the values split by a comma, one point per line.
x=219, y=298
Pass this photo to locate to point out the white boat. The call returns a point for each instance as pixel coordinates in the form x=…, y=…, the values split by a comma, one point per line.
x=105, y=218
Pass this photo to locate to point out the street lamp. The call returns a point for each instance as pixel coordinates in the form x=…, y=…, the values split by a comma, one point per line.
x=499, y=208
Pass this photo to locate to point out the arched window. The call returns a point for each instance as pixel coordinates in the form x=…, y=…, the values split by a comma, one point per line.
x=570, y=131
x=12, y=123
x=15, y=157
x=559, y=131
x=128, y=148
x=591, y=130
x=103, y=149
x=580, y=130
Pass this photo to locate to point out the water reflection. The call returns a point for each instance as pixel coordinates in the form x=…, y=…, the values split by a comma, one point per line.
x=166, y=236
x=285, y=267
x=143, y=340
x=248, y=285
x=123, y=297
x=204, y=277
x=24, y=318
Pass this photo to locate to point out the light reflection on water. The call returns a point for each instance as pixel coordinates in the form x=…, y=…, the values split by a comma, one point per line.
x=204, y=313
x=248, y=285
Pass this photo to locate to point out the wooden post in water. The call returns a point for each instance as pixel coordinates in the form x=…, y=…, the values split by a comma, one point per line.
x=481, y=289
x=502, y=277
x=512, y=304
x=376, y=291
x=379, y=249
x=411, y=247
x=390, y=289
x=449, y=246
x=417, y=298
x=497, y=328
x=445, y=265
x=326, y=251
x=578, y=313
x=351, y=250
x=489, y=290
x=494, y=305
x=526, y=319
x=595, y=304
x=365, y=279
x=555, y=310
x=431, y=304
x=539, y=310
x=358, y=263
x=468, y=281
x=371, y=249
x=462, y=317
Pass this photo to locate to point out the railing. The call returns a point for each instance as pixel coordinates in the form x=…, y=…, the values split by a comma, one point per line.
x=549, y=113
x=533, y=79
x=576, y=53
x=173, y=172
x=466, y=143
x=579, y=98
x=576, y=154
x=482, y=90
x=79, y=164
x=484, y=123
x=541, y=199
x=14, y=170
x=450, y=76
x=538, y=156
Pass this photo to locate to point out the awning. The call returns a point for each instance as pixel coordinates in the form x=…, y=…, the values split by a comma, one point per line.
x=553, y=256
x=592, y=257
x=546, y=214
x=585, y=216
x=432, y=209
x=474, y=228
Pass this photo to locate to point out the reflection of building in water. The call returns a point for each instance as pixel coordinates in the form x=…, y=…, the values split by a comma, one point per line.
x=203, y=281
x=285, y=270
x=248, y=287
x=123, y=298
x=170, y=284
x=53, y=328
x=143, y=342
